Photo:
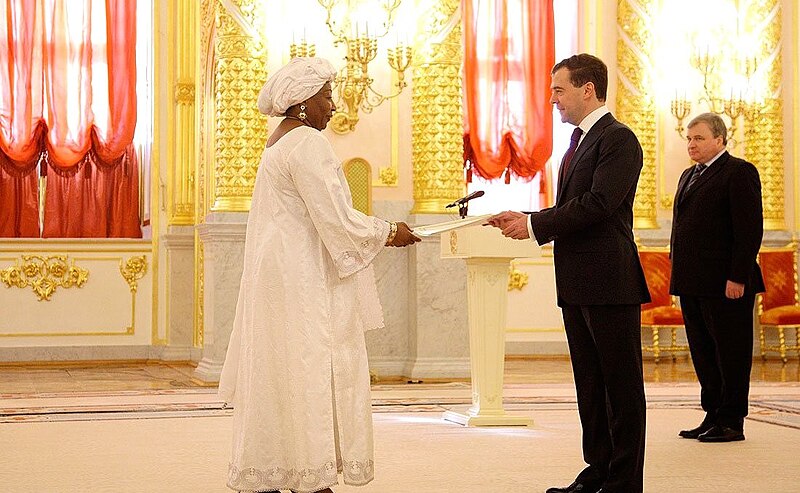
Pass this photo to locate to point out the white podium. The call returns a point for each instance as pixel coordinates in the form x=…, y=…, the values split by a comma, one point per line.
x=488, y=255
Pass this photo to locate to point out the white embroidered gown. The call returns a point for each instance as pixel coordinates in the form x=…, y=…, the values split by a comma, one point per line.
x=296, y=369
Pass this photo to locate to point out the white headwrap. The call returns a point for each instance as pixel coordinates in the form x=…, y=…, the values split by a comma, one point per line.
x=293, y=83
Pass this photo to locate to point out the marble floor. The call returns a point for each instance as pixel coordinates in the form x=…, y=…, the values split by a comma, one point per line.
x=146, y=427
x=102, y=376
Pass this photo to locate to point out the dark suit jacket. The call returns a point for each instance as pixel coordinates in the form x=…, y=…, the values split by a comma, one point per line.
x=596, y=259
x=716, y=230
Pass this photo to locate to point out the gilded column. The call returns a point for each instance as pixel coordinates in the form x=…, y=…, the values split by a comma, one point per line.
x=635, y=103
x=181, y=171
x=764, y=130
x=437, y=126
x=239, y=130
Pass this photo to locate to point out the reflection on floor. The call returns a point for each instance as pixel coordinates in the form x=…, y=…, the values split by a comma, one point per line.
x=140, y=428
x=102, y=376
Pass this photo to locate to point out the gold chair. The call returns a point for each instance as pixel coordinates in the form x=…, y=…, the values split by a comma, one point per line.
x=779, y=305
x=662, y=312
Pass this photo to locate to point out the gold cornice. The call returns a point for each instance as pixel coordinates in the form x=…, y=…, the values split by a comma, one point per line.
x=764, y=131
x=44, y=274
x=635, y=104
x=437, y=125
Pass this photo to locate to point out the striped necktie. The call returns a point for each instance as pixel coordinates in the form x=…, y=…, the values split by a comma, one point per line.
x=698, y=170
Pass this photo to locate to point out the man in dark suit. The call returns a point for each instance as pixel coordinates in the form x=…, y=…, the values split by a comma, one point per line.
x=599, y=279
x=717, y=225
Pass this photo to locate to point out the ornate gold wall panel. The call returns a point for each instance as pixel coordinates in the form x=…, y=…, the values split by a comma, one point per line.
x=635, y=102
x=437, y=126
x=119, y=271
x=764, y=132
x=205, y=150
x=44, y=274
x=240, y=130
x=182, y=59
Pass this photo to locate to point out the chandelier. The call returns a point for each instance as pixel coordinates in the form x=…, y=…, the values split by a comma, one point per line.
x=733, y=105
x=353, y=86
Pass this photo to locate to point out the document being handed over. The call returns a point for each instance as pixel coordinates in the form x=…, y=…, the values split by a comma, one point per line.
x=435, y=229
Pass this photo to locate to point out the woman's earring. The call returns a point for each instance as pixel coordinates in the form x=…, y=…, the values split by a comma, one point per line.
x=302, y=115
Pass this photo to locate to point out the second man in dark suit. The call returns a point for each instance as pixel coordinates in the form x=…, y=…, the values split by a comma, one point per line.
x=599, y=278
x=717, y=227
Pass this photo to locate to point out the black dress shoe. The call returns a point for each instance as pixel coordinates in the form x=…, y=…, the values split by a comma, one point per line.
x=721, y=434
x=696, y=432
x=575, y=487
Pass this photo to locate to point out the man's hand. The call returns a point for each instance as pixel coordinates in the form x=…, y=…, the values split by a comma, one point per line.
x=503, y=219
x=513, y=224
x=734, y=290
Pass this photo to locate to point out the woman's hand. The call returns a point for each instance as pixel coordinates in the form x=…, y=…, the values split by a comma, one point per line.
x=404, y=236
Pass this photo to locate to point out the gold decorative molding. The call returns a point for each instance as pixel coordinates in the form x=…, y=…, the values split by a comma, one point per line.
x=199, y=293
x=764, y=131
x=388, y=176
x=635, y=103
x=240, y=130
x=184, y=92
x=181, y=122
x=516, y=278
x=453, y=242
x=133, y=270
x=437, y=125
x=44, y=274
x=205, y=153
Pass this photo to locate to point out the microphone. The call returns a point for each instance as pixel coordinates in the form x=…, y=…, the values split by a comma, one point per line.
x=465, y=199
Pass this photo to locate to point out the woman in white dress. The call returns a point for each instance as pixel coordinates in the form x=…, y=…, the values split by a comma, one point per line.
x=296, y=370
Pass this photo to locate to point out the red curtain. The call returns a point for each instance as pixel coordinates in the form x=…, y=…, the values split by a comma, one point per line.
x=68, y=109
x=509, y=50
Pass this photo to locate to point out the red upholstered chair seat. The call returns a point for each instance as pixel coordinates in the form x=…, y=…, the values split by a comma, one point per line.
x=662, y=315
x=661, y=312
x=782, y=315
x=778, y=308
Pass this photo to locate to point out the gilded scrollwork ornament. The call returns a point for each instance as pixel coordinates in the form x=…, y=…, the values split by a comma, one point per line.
x=133, y=270
x=516, y=278
x=44, y=274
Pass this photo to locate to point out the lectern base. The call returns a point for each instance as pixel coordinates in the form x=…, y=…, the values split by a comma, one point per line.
x=467, y=419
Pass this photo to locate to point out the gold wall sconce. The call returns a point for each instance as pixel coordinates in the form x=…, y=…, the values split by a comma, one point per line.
x=353, y=86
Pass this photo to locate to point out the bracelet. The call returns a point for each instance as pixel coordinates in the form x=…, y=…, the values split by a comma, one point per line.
x=392, y=233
